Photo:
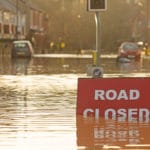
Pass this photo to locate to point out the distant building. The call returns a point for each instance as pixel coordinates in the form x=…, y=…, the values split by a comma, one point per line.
x=21, y=19
x=7, y=20
x=36, y=25
x=132, y=1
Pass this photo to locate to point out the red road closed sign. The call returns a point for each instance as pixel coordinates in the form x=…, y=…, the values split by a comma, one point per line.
x=121, y=99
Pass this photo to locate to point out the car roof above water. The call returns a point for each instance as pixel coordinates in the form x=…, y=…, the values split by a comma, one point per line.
x=129, y=45
x=22, y=41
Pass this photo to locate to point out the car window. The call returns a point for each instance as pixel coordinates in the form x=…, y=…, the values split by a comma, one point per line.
x=130, y=47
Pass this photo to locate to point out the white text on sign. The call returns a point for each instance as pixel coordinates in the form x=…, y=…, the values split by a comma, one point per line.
x=132, y=94
x=131, y=114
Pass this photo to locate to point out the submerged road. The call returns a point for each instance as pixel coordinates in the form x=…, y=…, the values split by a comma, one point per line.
x=38, y=105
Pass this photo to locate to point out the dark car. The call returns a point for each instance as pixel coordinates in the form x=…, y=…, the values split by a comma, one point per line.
x=22, y=48
x=129, y=50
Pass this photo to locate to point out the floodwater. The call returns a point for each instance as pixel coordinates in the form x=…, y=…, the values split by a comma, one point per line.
x=38, y=106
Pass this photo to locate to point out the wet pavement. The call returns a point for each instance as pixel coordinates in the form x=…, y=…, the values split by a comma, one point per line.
x=38, y=105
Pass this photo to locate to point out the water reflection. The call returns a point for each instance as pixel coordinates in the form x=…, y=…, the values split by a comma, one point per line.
x=52, y=65
x=109, y=134
x=134, y=66
x=20, y=66
x=37, y=112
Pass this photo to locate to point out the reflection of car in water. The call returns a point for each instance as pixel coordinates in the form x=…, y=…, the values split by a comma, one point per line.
x=133, y=66
x=129, y=50
x=22, y=48
x=20, y=66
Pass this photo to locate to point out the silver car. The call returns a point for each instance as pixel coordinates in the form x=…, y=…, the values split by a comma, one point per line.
x=22, y=48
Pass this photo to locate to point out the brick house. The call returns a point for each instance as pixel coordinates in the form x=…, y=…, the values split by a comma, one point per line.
x=21, y=19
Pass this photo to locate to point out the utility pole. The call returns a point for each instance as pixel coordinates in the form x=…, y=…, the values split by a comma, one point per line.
x=148, y=21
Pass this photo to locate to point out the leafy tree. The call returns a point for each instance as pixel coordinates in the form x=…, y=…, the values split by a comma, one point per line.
x=70, y=21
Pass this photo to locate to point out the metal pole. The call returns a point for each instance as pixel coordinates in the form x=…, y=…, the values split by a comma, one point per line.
x=98, y=38
x=17, y=19
x=148, y=3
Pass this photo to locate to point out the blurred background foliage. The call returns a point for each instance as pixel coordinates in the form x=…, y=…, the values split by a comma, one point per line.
x=69, y=21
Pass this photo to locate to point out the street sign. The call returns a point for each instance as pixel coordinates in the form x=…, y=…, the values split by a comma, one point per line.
x=120, y=99
x=97, y=5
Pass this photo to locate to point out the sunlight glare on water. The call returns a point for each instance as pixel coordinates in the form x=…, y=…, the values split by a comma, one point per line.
x=39, y=114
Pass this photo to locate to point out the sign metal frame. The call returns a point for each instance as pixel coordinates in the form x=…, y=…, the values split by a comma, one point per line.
x=96, y=10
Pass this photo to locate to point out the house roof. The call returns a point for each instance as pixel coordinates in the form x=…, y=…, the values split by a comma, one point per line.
x=7, y=5
x=32, y=5
x=11, y=5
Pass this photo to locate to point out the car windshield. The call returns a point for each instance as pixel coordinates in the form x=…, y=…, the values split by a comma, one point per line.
x=130, y=46
x=20, y=45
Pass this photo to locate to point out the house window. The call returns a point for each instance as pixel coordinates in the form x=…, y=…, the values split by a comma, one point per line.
x=13, y=29
x=6, y=29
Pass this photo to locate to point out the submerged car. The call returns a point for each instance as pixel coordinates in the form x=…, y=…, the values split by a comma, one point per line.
x=22, y=48
x=129, y=50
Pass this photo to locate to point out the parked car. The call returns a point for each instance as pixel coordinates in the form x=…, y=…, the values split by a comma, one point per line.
x=22, y=48
x=129, y=50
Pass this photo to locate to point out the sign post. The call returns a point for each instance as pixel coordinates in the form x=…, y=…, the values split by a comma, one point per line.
x=98, y=38
x=97, y=6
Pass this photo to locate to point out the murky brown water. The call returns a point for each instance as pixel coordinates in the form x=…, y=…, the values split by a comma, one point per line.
x=38, y=106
